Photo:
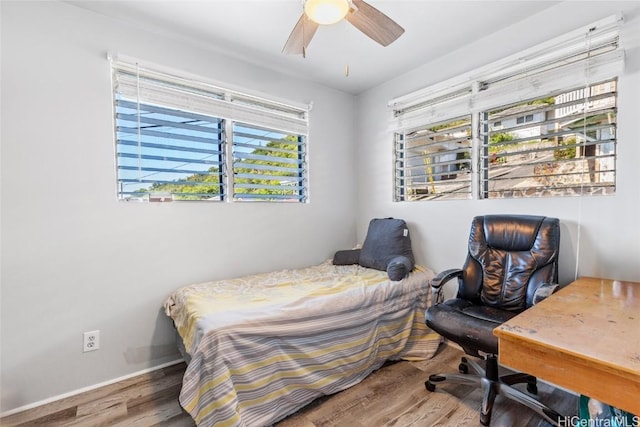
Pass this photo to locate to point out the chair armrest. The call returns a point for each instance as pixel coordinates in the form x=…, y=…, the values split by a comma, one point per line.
x=439, y=280
x=444, y=276
x=544, y=291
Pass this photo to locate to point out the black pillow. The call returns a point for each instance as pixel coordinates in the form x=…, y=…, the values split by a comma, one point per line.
x=346, y=257
x=387, y=238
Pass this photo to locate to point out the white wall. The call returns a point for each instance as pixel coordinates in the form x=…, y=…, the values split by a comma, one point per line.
x=609, y=232
x=75, y=259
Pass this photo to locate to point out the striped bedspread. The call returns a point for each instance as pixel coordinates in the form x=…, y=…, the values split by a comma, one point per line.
x=263, y=346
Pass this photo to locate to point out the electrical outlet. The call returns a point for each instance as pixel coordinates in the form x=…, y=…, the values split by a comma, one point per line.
x=91, y=341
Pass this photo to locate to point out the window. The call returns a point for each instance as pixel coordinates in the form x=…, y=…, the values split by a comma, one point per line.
x=522, y=126
x=434, y=161
x=267, y=164
x=523, y=119
x=567, y=148
x=179, y=138
x=168, y=154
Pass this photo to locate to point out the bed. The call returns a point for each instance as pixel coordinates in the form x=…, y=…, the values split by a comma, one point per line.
x=263, y=346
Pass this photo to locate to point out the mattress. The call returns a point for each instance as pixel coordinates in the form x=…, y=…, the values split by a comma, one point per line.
x=263, y=346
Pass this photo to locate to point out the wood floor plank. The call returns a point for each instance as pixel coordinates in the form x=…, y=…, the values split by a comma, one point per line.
x=50, y=409
x=393, y=396
x=152, y=415
x=53, y=419
x=183, y=420
x=106, y=417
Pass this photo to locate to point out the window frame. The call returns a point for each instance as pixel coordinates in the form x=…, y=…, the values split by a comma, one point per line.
x=447, y=178
x=264, y=175
x=591, y=54
x=191, y=96
x=559, y=167
x=163, y=147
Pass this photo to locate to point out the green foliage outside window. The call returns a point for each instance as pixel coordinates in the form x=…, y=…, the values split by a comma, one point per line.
x=497, y=146
x=273, y=149
x=182, y=188
x=568, y=152
x=209, y=183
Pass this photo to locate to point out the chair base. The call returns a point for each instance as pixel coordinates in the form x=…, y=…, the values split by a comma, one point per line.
x=492, y=384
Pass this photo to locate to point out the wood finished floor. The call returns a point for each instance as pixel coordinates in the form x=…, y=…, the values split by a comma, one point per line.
x=394, y=396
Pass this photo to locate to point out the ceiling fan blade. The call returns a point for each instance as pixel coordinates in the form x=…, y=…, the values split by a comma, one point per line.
x=374, y=23
x=300, y=37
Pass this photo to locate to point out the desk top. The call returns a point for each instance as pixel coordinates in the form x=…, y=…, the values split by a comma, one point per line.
x=595, y=322
x=593, y=318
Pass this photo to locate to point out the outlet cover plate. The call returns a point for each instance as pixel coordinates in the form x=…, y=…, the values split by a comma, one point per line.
x=90, y=341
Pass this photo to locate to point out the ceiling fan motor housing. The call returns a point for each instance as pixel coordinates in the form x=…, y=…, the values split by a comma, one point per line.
x=326, y=12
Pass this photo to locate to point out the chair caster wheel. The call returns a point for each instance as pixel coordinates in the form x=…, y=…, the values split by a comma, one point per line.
x=430, y=386
x=463, y=368
x=436, y=378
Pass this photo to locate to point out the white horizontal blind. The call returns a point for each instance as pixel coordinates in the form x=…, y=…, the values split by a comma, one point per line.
x=187, y=93
x=589, y=54
x=174, y=136
x=268, y=165
x=439, y=107
x=592, y=56
x=434, y=161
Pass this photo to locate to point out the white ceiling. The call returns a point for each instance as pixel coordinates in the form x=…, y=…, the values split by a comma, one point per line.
x=256, y=30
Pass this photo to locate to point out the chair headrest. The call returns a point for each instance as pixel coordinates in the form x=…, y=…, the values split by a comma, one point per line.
x=511, y=232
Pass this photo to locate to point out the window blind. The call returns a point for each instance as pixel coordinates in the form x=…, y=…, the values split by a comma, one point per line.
x=594, y=56
x=136, y=81
x=589, y=54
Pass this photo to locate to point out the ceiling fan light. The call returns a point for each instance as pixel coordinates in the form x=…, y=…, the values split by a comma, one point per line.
x=326, y=11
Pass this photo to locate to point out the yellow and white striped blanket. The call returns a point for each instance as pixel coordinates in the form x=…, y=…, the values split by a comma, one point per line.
x=265, y=345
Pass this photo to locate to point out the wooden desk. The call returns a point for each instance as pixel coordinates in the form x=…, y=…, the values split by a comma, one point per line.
x=585, y=337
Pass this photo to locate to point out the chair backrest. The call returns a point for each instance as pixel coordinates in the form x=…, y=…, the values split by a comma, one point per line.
x=510, y=256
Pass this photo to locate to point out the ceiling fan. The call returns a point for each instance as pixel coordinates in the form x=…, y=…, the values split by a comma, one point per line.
x=360, y=14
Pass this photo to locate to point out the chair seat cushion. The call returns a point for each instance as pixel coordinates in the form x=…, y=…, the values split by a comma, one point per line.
x=468, y=324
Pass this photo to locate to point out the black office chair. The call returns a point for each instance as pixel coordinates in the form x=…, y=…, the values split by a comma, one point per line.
x=512, y=264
